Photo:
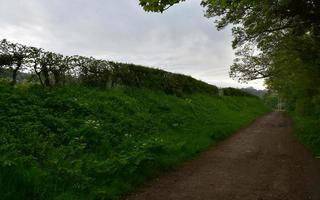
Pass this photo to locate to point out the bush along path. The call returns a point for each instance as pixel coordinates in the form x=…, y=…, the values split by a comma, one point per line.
x=261, y=162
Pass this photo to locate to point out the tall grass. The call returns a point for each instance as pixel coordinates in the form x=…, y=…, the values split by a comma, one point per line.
x=87, y=143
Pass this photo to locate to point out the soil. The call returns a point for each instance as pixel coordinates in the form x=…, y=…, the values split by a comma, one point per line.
x=263, y=161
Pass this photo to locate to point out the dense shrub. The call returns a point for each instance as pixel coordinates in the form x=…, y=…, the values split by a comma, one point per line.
x=236, y=92
x=307, y=129
x=130, y=75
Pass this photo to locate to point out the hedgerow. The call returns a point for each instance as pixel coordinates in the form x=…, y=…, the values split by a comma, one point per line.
x=53, y=69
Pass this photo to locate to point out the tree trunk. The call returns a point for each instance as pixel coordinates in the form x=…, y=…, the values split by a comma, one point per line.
x=56, y=76
x=14, y=76
x=39, y=77
x=38, y=74
x=15, y=73
x=46, y=76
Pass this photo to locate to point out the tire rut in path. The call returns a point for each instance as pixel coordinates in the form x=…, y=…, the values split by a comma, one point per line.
x=261, y=162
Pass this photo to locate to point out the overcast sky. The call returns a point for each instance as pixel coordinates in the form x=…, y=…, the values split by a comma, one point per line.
x=180, y=40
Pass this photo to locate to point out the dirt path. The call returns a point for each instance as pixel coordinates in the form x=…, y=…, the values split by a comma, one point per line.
x=260, y=162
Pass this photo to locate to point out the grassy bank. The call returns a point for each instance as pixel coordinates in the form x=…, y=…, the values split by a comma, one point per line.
x=85, y=143
x=307, y=130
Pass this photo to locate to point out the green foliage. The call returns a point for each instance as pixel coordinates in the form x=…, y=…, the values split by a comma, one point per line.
x=52, y=69
x=143, y=77
x=109, y=74
x=236, y=92
x=86, y=143
x=158, y=6
x=307, y=130
x=297, y=74
x=270, y=100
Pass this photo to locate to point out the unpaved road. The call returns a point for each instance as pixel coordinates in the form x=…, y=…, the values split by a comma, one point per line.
x=261, y=162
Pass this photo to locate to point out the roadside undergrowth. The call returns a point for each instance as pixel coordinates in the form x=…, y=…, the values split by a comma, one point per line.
x=85, y=143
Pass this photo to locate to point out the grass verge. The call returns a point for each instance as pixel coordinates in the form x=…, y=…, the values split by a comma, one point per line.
x=307, y=129
x=85, y=143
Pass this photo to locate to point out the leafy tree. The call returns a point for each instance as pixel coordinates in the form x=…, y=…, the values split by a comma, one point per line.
x=158, y=5
x=296, y=74
x=13, y=56
x=60, y=67
x=33, y=62
x=53, y=65
x=250, y=65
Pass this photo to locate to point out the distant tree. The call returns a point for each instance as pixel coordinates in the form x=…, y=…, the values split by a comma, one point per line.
x=55, y=69
x=12, y=56
x=59, y=66
x=33, y=62
x=51, y=65
x=44, y=60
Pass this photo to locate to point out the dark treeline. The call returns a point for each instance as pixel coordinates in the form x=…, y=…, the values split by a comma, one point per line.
x=229, y=91
x=51, y=69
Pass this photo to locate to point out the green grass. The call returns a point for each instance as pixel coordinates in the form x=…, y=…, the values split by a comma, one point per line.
x=86, y=143
x=307, y=130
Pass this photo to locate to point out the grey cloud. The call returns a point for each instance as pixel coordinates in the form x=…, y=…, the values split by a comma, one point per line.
x=180, y=40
